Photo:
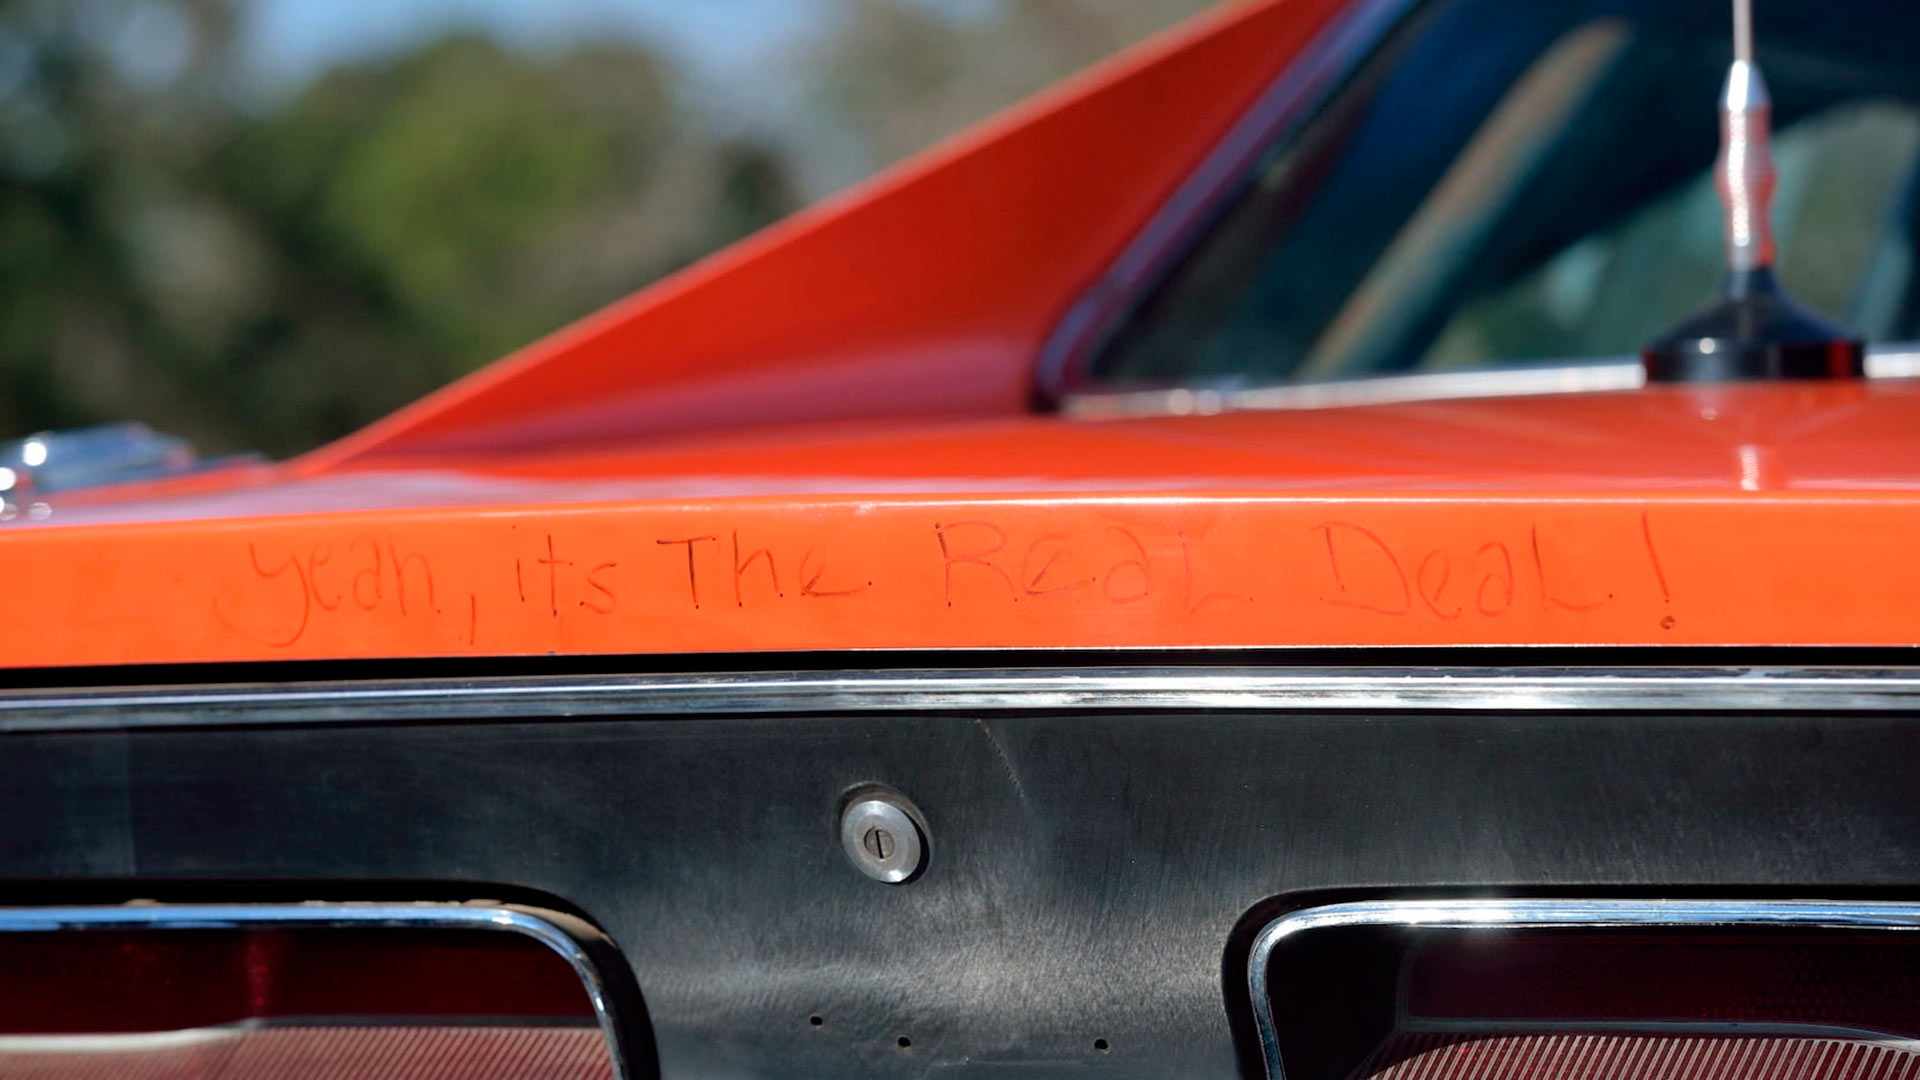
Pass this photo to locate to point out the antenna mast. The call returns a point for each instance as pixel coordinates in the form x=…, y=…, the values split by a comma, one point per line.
x=1752, y=330
x=1744, y=171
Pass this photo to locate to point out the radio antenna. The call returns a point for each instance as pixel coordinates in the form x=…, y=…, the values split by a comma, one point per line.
x=1751, y=330
x=1744, y=171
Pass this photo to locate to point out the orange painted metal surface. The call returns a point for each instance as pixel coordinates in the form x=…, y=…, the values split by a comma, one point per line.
x=622, y=488
x=1744, y=515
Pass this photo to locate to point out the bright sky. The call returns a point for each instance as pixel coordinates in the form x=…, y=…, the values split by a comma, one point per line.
x=291, y=40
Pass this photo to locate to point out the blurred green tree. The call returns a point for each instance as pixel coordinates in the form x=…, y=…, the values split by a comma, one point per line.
x=412, y=209
x=274, y=279
x=270, y=275
x=892, y=77
x=104, y=110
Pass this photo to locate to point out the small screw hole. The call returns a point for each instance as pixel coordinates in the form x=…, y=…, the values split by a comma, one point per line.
x=903, y=1042
x=1100, y=1045
x=815, y=1021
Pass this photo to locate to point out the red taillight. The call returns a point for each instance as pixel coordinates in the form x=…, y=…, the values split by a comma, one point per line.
x=1678, y=991
x=292, y=1003
x=1839, y=980
x=164, y=980
x=1661, y=1006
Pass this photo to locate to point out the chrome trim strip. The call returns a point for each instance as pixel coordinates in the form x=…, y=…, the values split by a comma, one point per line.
x=1380, y=390
x=1894, y=361
x=148, y=1041
x=1060, y=689
x=1511, y=914
x=538, y=925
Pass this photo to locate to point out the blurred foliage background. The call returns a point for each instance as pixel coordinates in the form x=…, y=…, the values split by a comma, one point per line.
x=270, y=266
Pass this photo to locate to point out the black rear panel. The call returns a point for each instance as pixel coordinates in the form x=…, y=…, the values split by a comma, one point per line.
x=1094, y=874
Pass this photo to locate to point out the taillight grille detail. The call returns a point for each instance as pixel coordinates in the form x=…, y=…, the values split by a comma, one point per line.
x=1610, y=1056
x=316, y=1053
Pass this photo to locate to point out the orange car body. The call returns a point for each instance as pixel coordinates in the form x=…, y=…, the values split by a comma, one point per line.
x=824, y=439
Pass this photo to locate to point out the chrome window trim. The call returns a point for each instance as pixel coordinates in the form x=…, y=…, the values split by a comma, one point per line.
x=1891, y=361
x=541, y=926
x=1483, y=689
x=1530, y=913
x=1341, y=393
x=1290, y=100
